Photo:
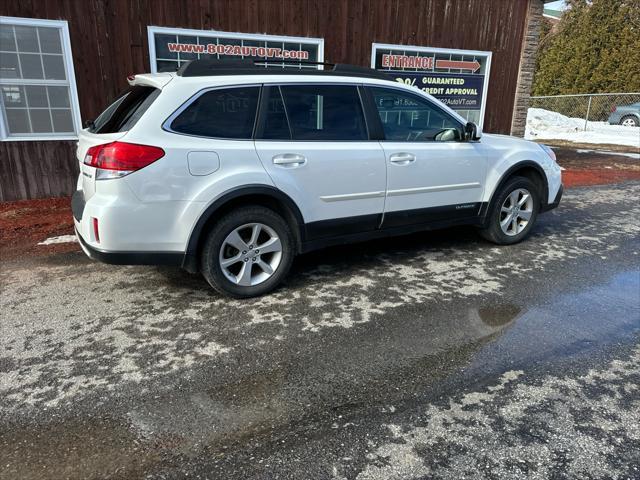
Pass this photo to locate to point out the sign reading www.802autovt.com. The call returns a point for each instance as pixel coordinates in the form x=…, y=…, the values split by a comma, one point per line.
x=238, y=51
x=458, y=78
x=169, y=48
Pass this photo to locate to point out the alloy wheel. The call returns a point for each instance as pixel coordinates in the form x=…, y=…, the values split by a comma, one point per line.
x=250, y=254
x=516, y=212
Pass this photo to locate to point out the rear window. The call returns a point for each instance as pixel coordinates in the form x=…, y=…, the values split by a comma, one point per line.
x=220, y=113
x=324, y=112
x=126, y=110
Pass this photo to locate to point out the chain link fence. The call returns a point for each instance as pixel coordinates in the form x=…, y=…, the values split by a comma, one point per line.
x=612, y=118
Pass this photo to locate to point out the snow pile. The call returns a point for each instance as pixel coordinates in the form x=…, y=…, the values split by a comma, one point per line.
x=547, y=125
x=60, y=239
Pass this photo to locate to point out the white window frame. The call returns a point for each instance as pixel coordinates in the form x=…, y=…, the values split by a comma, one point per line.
x=152, y=30
x=67, y=57
x=452, y=51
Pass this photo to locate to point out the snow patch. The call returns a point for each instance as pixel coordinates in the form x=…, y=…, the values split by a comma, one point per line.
x=548, y=125
x=635, y=156
x=60, y=239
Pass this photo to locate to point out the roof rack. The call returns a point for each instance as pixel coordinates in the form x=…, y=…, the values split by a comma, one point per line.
x=216, y=67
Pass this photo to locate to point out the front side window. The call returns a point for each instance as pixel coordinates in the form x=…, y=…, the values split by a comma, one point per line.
x=324, y=112
x=409, y=118
x=221, y=113
x=37, y=91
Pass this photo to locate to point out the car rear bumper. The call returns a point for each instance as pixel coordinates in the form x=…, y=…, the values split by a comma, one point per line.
x=130, y=258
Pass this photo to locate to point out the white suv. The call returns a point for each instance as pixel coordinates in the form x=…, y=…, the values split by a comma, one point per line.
x=233, y=168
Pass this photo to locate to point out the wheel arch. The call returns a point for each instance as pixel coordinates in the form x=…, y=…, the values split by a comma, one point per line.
x=629, y=114
x=263, y=195
x=525, y=168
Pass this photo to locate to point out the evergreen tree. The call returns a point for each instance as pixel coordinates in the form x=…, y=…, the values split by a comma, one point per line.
x=594, y=49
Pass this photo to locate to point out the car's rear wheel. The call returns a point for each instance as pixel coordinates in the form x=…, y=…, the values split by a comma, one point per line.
x=513, y=212
x=248, y=252
x=630, y=121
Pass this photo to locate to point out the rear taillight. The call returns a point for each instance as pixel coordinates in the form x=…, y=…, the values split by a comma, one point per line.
x=117, y=159
x=613, y=109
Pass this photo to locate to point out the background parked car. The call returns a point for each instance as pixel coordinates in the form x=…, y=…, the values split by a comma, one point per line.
x=627, y=115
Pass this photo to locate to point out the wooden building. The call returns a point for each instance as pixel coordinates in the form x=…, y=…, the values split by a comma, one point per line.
x=62, y=61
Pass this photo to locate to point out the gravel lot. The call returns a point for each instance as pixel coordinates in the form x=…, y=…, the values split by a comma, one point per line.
x=430, y=356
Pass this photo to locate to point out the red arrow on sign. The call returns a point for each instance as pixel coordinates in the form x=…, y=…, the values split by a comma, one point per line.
x=458, y=64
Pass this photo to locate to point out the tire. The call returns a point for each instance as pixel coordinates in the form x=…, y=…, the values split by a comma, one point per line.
x=220, y=247
x=627, y=118
x=493, y=231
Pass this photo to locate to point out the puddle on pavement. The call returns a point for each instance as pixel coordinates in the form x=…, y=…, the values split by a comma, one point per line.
x=499, y=315
x=589, y=318
x=357, y=369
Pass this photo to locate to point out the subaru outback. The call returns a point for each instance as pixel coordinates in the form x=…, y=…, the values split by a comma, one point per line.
x=232, y=168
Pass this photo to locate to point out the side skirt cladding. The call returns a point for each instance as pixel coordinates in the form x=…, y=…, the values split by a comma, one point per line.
x=342, y=231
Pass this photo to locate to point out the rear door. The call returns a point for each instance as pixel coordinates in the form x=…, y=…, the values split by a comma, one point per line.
x=111, y=125
x=314, y=143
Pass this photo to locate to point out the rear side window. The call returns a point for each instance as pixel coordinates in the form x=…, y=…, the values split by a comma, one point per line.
x=324, y=112
x=274, y=121
x=220, y=113
x=125, y=111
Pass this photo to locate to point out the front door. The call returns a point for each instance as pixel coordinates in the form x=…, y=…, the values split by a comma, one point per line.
x=433, y=175
x=313, y=142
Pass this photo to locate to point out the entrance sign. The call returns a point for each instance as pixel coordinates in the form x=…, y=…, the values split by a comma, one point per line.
x=458, y=78
x=169, y=48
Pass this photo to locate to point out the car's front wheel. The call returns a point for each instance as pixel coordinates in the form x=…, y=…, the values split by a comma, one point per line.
x=629, y=121
x=513, y=212
x=248, y=252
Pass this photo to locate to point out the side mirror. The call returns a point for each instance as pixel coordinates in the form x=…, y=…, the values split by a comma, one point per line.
x=472, y=132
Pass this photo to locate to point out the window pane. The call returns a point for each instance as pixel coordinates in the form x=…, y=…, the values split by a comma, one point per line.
x=13, y=96
x=167, y=66
x=31, y=66
x=62, y=121
x=324, y=112
x=27, y=39
x=7, y=40
x=37, y=96
x=50, y=40
x=410, y=118
x=188, y=40
x=162, y=50
x=276, y=126
x=40, y=120
x=59, y=97
x=54, y=67
x=17, y=121
x=224, y=113
x=9, y=66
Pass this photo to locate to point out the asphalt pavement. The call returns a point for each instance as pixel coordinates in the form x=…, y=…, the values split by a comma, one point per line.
x=435, y=355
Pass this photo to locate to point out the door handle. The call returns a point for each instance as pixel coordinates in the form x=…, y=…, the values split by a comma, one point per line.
x=289, y=160
x=402, y=158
